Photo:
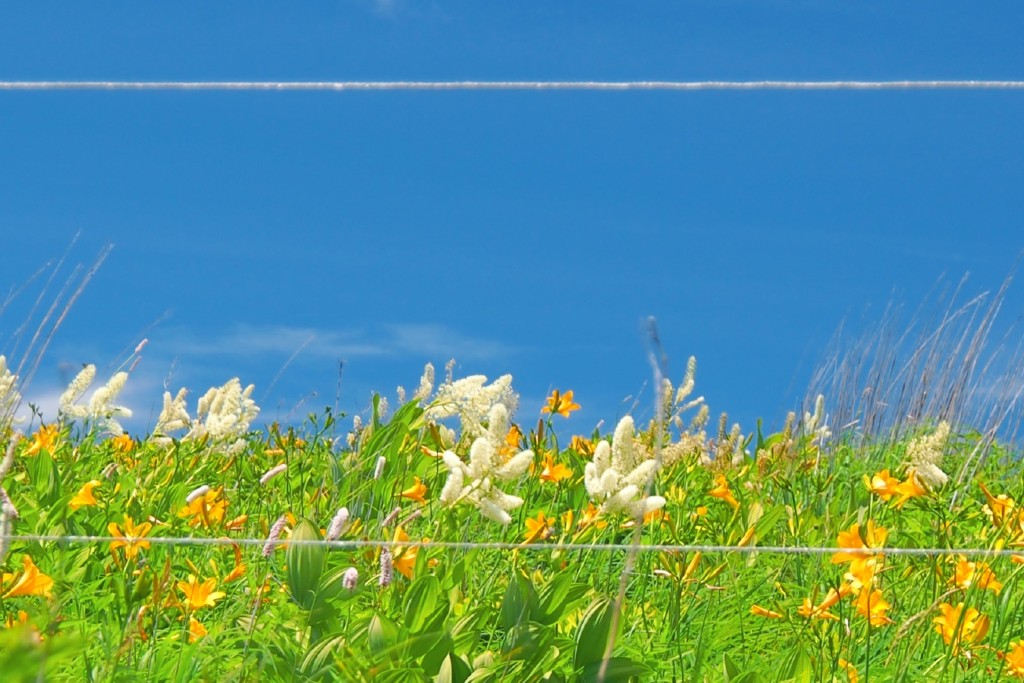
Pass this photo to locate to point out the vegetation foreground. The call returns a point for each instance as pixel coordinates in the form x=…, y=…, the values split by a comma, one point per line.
x=209, y=561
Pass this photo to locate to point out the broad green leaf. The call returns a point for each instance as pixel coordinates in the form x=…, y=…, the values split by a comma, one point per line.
x=453, y=670
x=381, y=633
x=515, y=608
x=421, y=601
x=800, y=668
x=593, y=632
x=619, y=670
x=305, y=563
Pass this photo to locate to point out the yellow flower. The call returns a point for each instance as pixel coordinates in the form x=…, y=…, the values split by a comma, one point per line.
x=809, y=611
x=882, y=484
x=998, y=506
x=554, y=472
x=871, y=604
x=851, y=670
x=123, y=444
x=722, y=491
x=539, y=528
x=874, y=537
x=199, y=595
x=1014, y=659
x=404, y=557
x=759, y=611
x=584, y=447
x=195, y=629
x=206, y=510
x=30, y=582
x=44, y=440
x=909, y=488
x=560, y=403
x=513, y=440
x=416, y=492
x=592, y=515
x=967, y=574
x=131, y=535
x=11, y=621
x=85, y=496
x=958, y=627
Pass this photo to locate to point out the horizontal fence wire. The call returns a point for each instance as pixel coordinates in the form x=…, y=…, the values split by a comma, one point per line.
x=503, y=545
x=516, y=85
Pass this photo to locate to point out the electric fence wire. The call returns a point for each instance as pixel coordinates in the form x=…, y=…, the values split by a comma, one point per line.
x=505, y=545
x=516, y=85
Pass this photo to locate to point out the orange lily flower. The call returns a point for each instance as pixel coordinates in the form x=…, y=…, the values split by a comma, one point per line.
x=560, y=403
x=417, y=492
x=31, y=581
x=132, y=536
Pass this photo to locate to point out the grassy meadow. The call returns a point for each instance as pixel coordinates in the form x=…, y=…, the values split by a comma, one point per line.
x=448, y=538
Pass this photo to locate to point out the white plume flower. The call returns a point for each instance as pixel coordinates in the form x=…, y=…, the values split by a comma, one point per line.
x=617, y=475
x=9, y=396
x=924, y=454
x=101, y=407
x=223, y=416
x=471, y=399
x=475, y=482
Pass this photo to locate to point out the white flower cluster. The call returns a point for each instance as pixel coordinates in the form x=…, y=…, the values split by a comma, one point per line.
x=618, y=474
x=471, y=398
x=9, y=396
x=924, y=455
x=223, y=415
x=475, y=482
x=100, y=408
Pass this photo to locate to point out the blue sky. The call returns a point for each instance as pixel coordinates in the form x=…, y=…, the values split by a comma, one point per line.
x=521, y=232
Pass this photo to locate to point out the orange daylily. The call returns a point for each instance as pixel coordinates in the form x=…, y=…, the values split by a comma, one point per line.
x=723, y=492
x=195, y=629
x=538, y=528
x=31, y=581
x=85, y=495
x=874, y=537
x=850, y=669
x=821, y=611
x=968, y=573
x=871, y=604
x=206, y=510
x=999, y=507
x=909, y=488
x=759, y=611
x=958, y=627
x=131, y=534
x=554, y=472
x=199, y=595
x=123, y=444
x=417, y=492
x=560, y=403
x=45, y=439
x=584, y=447
x=404, y=557
x=882, y=484
x=1014, y=659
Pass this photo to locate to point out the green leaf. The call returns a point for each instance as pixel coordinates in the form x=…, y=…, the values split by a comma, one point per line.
x=800, y=667
x=421, y=602
x=557, y=598
x=381, y=633
x=515, y=608
x=453, y=670
x=593, y=632
x=729, y=669
x=619, y=670
x=305, y=563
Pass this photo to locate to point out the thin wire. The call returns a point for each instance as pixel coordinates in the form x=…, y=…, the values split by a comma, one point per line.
x=502, y=545
x=516, y=85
